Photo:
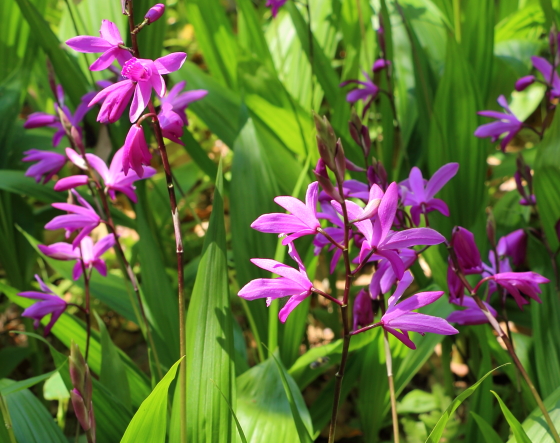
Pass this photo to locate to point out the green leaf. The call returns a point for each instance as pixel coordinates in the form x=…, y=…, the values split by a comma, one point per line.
x=69, y=74
x=263, y=408
x=31, y=422
x=237, y=424
x=150, y=421
x=210, y=347
x=302, y=431
x=11, y=357
x=514, y=424
x=24, y=384
x=488, y=432
x=113, y=371
x=251, y=36
x=436, y=433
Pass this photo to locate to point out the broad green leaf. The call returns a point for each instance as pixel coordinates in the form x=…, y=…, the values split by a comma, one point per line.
x=113, y=371
x=216, y=39
x=417, y=402
x=31, y=422
x=159, y=296
x=11, y=357
x=263, y=408
x=253, y=189
x=302, y=431
x=199, y=155
x=237, y=424
x=150, y=421
x=488, y=432
x=251, y=36
x=69, y=74
x=514, y=424
x=535, y=426
x=210, y=346
x=24, y=384
x=436, y=433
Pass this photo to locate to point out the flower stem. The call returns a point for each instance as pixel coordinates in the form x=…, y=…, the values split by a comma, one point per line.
x=178, y=241
x=87, y=307
x=501, y=334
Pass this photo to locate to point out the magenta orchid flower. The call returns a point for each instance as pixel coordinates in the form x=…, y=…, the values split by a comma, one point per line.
x=384, y=276
x=135, y=151
x=171, y=124
x=301, y=221
x=81, y=218
x=180, y=101
x=493, y=269
x=518, y=283
x=420, y=195
x=48, y=164
x=292, y=282
x=113, y=176
x=362, y=310
x=513, y=245
x=399, y=316
x=50, y=304
x=274, y=6
x=549, y=74
x=141, y=76
x=473, y=315
x=507, y=124
x=468, y=255
x=110, y=44
x=380, y=240
x=87, y=255
x=367, y=94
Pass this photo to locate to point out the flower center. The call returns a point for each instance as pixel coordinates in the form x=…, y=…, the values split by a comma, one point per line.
x=136, y=70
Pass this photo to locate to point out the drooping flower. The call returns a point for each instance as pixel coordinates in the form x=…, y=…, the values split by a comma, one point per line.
x=420, y=195
x=399, y=316
x=110, y=44
x=507, y=124
x=468, y=255
x=50, y=304
x=550, y=76
x=362, y=310
x=274, y=6
x=49, y=163
x=518, y=283
x=380, y=64
x=171, y=124
x=180, y=101
x=367, y=94
x=524, y=82
x=141, y=75
x=87, y=255
x=292, y=282
x=301, y=221
x=80, y=218
x=380, y=240
x=473, y=315
x=135, y=151
x=113, y=176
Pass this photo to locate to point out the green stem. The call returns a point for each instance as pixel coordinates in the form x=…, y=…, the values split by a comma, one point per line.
x=7, y=419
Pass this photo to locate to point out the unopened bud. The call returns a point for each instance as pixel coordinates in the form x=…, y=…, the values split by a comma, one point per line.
x=340, y=160
x=326, y=140
x=80, y=409
x=553, y=36
x=322, y=175
x=491, y=227
x=524, y=82
x=155, y=12
x=380, y=64
x=78, y=367
x=468, y=255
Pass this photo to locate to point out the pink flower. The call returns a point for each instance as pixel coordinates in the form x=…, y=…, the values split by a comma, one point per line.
x=292, y=282
x=180, y=101
x=171, y=124
x=49, y=163
x=155, y=12
x=135, y=151
x=50, y=304
x=109, y=44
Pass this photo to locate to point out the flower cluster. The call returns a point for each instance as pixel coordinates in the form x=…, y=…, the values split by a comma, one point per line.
x=370, y=218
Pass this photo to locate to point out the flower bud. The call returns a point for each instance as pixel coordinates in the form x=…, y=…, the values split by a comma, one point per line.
x=468, y=255
x=326, y=140
x=155, y=12
x=362, y=310
x=524, y=82
x=380, y=64
x=322, y=175
x=340, y=160
x=80, y=409
x=136, y=152
x=78, y=367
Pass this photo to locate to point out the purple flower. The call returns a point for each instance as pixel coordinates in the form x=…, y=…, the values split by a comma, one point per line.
x=384, y=277
x=87, y=252
x=180, y=101
x=302, y=220
x=50, y=304
x=468, y=255
x=292, y=282
x=336, y=233
x=514, y=245
x=109, y=44
x=473, y=315
x=363, y=310
x=524, y=82
x=527, y=199
x=549, y=74
x=400, y=316
x=380, y=64
x=49, y=163
x=155, y=12
x=368, y=93
x=454, y=283
x=380, y=240
x=113, y=176
x=517, y=283
x=135, y=151
x=171, y=124
x=141, y=76
x=274, y=6
x=420, y=195
x=507, y=124
x=82, y=218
